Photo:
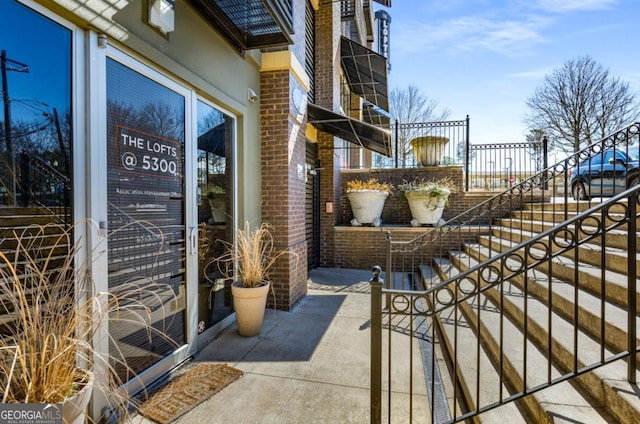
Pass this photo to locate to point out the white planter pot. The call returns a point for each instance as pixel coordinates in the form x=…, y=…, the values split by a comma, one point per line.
x=426, y=210
x=218, y=206
x=74, y=409
x=367, y=205
x=249, y=304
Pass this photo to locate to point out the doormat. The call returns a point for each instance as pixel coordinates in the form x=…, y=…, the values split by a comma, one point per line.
x=187, y=390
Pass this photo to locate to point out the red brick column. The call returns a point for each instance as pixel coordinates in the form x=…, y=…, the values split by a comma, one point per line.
x=328, y=95
x=283, y=185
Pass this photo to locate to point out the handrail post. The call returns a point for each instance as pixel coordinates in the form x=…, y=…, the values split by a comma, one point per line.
x=396, y=145
x=467, y=157
x=387, y=275
x=25, y=180
x=545, y=161
x=632, y=309
x=376, y=347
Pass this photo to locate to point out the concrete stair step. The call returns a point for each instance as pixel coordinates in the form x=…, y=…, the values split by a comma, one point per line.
x=556, y=217
x=30, y=210
x=565, y=269
x=617, y=238
x=615, y=259
x=29, y=230
x=521, y=372
x=599, y=384
x=23, y=220
x=570, y=205
x=563, y=295
x=477, y=376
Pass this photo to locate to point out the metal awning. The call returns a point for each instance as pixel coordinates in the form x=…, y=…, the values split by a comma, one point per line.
x=213, y=140
x=366, y=72
x=372, y=114
x=386, y=3
x=250, y=24
x=346, y=128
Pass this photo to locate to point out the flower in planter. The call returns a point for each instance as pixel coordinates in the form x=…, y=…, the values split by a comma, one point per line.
x=367, y=200
x=371, y=184
x=440, y=188
x=427, y=198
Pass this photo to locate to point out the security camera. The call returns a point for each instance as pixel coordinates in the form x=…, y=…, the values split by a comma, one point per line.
x=251, y=95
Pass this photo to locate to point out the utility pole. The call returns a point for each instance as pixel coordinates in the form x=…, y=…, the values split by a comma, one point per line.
x=7, y=117
x=7, y=126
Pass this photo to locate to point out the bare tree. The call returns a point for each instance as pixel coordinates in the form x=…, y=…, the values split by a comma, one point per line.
x=410, y=105
x=580, y=102
x=536, y=137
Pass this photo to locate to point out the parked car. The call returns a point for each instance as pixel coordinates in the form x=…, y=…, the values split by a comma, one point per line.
x=605, y=174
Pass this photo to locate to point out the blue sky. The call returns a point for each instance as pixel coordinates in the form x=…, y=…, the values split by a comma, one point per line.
x=484, y=58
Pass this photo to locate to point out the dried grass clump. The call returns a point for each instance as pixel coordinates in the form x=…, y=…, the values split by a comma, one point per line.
x=371, y=184
x=49, y=316
x=252, y=254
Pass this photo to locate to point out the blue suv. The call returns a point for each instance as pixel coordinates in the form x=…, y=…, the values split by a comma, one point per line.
x=605, y=174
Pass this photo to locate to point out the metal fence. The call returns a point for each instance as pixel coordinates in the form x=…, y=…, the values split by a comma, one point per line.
x=491, y=166
x=501, y=165
x=452, y=135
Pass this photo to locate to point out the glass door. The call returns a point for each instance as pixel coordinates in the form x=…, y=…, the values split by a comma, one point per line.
x=215, y=213
x=146, y=217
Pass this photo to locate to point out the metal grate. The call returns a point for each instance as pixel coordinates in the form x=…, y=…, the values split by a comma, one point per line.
x=250, y=24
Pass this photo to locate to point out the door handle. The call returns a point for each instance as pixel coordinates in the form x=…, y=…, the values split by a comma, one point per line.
x=193, y=240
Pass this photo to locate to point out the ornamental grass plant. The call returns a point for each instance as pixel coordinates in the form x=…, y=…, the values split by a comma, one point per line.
x=251, y=255
x=50, y=315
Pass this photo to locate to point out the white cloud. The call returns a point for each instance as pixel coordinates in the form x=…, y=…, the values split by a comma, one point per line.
x=533, y=74
x=561, y=6
x=507, y=37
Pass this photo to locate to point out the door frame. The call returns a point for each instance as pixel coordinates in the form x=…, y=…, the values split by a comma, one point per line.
x=97, y=201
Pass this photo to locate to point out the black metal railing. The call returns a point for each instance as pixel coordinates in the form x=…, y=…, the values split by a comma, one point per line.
x=43, y=186
x=543, y=186
x=491, y=166
x=498, y=166
x=452, y=137
x=462, y=301
x=524, y=258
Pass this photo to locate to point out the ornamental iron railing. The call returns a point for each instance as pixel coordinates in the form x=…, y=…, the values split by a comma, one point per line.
x=548, y=294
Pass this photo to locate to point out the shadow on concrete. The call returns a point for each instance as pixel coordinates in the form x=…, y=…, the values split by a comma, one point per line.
x=285, y=336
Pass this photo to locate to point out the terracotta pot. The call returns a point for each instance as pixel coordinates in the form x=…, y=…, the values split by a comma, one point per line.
x=74, y=409
x=249, y=304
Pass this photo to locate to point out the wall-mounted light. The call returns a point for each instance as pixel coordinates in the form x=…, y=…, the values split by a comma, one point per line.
x=161, y=15
x=251, y=95
x=102, y=41
x=328, y=206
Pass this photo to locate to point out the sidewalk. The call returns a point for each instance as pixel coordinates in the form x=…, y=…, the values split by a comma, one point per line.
x=309, y=365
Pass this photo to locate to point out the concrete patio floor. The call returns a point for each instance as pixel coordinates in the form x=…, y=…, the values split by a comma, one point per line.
x=308, y=365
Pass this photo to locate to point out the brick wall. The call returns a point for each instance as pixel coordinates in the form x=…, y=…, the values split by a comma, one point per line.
x=365, y=247
x=396, y=209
